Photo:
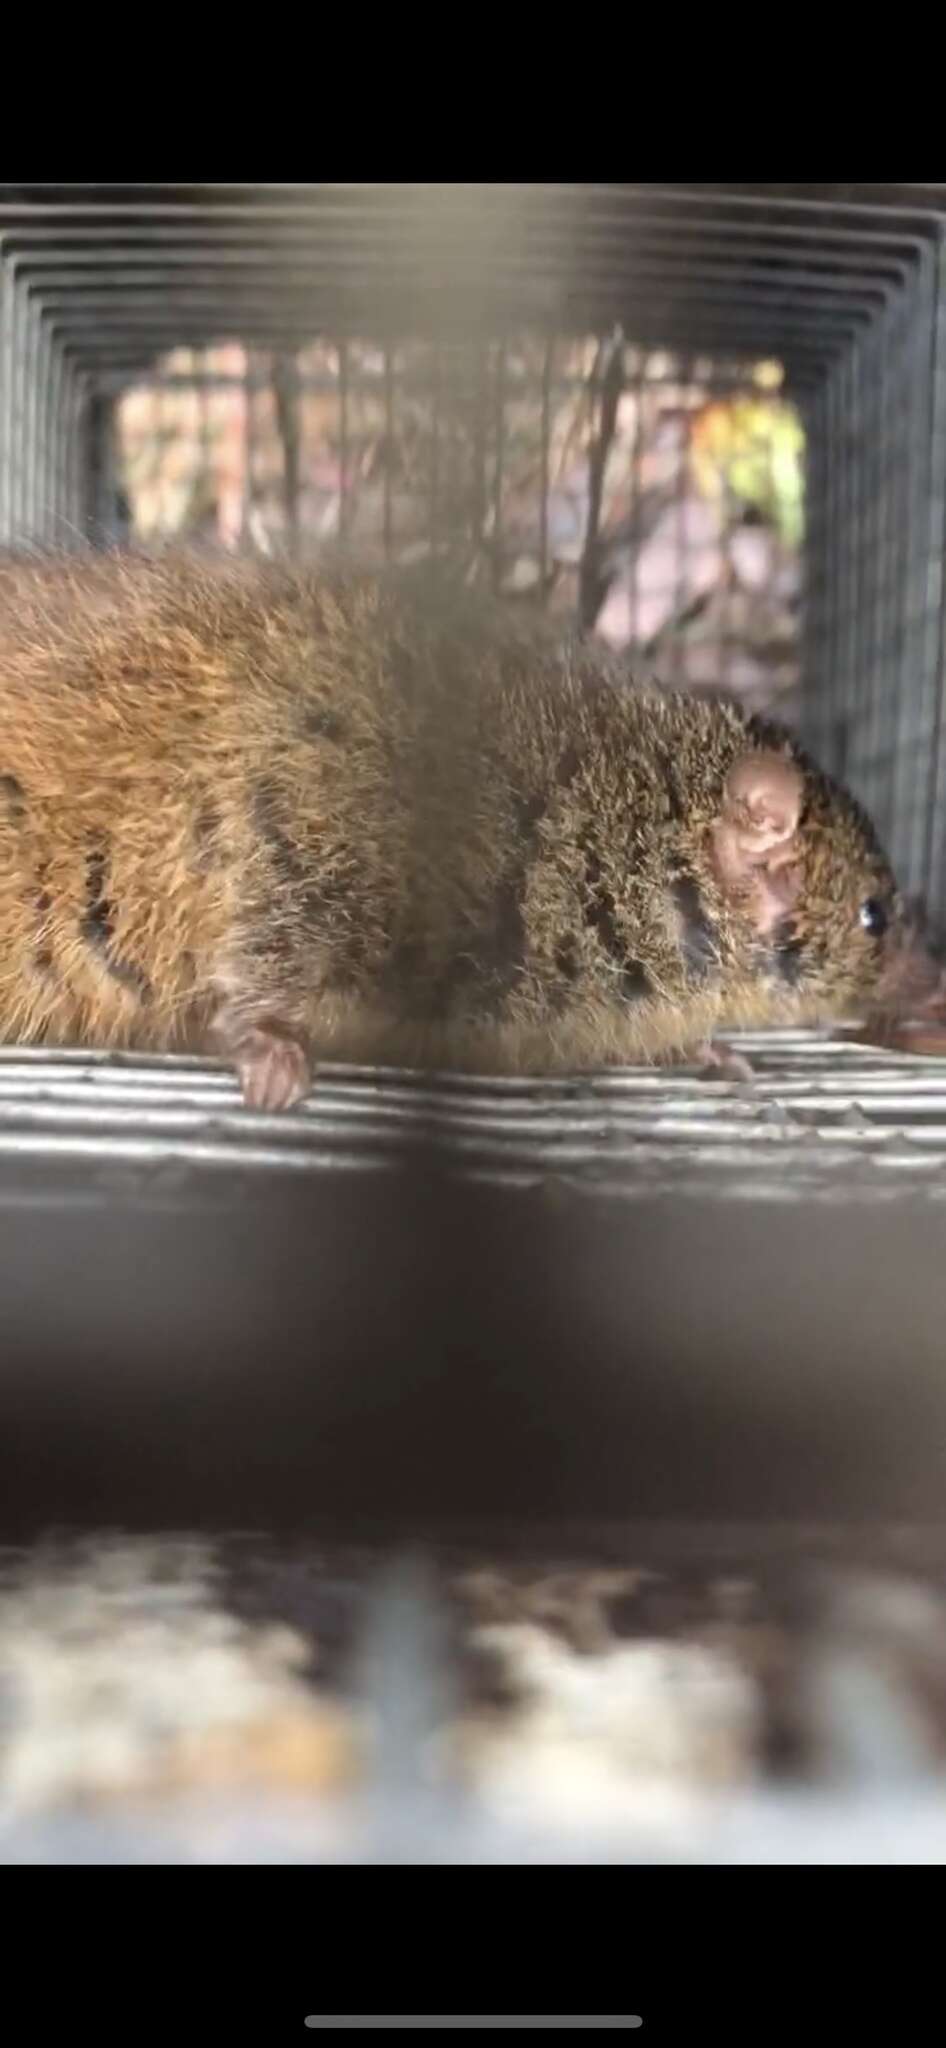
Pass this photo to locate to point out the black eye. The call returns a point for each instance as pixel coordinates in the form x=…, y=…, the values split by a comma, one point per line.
x=873, y=917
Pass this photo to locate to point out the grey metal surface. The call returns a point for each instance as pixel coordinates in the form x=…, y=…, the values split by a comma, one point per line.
x=800, y=269
x=633, y=1295
x=42, y=395
x=873, y=702
x=824, y=1120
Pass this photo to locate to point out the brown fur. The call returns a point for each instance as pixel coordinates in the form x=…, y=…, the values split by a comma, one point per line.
x=382, y=824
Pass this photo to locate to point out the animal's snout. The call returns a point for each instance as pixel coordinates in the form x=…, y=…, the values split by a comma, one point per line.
x=911, y=979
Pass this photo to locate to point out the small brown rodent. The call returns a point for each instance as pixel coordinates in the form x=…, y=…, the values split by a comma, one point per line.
x=298, y=814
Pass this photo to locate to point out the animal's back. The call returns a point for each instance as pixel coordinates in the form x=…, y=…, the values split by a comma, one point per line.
x=225, y=781
x=340, y=813
x=122, y=818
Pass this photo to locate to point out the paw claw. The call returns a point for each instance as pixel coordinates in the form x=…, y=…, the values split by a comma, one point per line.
x=273, y=1071
x=719, y=1063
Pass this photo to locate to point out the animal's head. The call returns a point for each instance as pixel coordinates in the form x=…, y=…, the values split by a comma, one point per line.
x=801, y=861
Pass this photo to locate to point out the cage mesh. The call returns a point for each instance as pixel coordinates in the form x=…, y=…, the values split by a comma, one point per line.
x=601, y=399
x=399, y=359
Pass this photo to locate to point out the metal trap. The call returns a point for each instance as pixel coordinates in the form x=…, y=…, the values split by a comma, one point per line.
x=531, y=1312
x=629, y=1295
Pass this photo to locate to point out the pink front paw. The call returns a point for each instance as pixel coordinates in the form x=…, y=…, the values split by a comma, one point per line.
x=719, y=1063
x=273, y=1071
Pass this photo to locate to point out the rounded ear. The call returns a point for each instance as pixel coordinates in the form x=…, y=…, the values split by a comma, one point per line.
x=762, y=801
x=755, y=839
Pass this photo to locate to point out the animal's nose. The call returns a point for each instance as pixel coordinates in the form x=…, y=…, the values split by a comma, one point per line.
x=912, y=980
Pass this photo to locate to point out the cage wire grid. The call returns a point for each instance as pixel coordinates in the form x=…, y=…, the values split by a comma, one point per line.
x=843, y=285
x=815, y=1384
x=576, y=475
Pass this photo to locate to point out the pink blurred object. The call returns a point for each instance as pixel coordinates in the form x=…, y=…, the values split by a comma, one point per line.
x=681, y=561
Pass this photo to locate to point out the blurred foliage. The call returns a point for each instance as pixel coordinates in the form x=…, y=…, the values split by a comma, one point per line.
x=753, y=447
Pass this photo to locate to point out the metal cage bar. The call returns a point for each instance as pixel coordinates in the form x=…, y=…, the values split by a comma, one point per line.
x=845, y=284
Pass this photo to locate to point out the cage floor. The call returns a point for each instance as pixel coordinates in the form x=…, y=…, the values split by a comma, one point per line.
x=417, y=1300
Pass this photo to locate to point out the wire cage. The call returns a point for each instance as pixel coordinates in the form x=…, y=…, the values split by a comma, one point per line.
x=582, y=476
x=391, y=365
x=708, y=422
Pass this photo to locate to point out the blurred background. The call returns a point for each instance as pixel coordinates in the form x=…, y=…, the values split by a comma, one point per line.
x=658, y=499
